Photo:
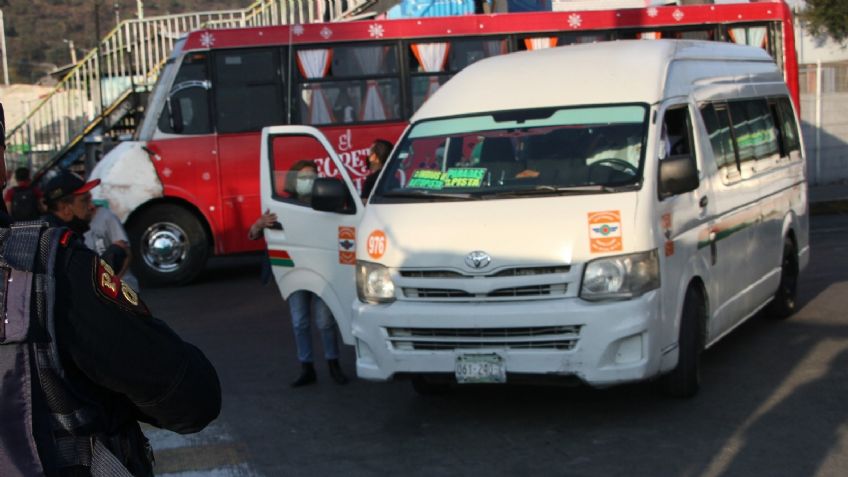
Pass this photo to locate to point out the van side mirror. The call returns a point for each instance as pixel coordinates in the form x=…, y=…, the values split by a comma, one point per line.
x=678, y=175
x=331, y=195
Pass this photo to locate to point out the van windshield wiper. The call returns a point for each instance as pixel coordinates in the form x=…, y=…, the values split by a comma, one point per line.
x=553, y=190
x=427, y=193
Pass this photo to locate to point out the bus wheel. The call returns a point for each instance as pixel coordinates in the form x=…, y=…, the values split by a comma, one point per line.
x=685, y=379
x=169, y=245
x=783, y=304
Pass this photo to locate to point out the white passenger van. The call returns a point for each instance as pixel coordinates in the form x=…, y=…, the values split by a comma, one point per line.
x=602, y=212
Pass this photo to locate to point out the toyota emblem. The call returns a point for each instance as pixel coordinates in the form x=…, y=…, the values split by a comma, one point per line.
x=478, y=259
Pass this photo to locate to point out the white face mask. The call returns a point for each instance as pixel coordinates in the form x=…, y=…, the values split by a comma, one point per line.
x=304, y=186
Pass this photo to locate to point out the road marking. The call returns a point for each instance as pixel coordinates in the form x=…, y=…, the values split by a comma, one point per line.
x=210, y=453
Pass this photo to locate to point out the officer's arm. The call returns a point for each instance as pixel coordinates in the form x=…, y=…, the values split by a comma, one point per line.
x=114, y=341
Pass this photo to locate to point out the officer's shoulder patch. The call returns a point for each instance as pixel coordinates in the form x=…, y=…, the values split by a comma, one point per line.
x=113, y=290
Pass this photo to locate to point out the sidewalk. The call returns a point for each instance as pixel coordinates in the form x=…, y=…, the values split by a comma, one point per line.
x=829, y=199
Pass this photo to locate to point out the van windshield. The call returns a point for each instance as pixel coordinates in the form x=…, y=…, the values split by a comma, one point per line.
x=550, y=151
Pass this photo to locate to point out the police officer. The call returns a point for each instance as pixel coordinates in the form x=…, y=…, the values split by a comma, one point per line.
x=82, y=360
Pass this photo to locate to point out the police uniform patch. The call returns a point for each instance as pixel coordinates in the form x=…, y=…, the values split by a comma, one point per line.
x=113, y=290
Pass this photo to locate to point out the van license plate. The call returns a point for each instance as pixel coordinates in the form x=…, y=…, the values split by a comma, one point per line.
x=480, y=368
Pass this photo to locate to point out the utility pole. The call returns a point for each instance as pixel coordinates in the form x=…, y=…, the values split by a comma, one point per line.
x=3, y=46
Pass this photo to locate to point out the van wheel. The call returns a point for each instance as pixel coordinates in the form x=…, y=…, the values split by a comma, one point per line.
x=169, y=245
x=783, y=305
x=685, y=379
x=426, y=386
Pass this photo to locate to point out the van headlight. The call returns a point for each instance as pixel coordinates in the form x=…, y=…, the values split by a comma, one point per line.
x=374, y=283
x=622, y=277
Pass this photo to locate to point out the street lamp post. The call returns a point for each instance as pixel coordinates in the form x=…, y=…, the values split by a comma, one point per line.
x=3, y=46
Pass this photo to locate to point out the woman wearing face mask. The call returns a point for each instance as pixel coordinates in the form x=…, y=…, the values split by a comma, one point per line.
x=304, y=304
x=380, y=151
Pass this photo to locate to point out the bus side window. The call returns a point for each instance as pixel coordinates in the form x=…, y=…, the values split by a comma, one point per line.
x=186, y=111
x=248, y=89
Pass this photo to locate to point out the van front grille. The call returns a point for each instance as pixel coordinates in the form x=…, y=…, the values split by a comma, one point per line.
x=561, y=338
x=512, y=292
x=509, y=272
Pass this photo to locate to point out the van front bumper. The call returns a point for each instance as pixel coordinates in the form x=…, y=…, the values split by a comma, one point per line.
x=602, y=343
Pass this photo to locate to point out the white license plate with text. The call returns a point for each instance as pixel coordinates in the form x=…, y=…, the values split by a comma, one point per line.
x=480, y=368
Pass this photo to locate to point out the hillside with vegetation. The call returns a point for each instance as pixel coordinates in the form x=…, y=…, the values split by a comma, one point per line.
x=36, y=30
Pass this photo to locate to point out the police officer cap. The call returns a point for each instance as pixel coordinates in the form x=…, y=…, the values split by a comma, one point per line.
x=67, y=183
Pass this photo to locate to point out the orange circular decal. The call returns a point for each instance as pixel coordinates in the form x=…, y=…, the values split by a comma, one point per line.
x=377, y=244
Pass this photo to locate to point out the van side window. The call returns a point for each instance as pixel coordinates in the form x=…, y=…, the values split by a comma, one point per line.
x=764, y=133
x=676, y=132
x=718, y=128
x=248, y=89
x=785, y=121
x=742, y=131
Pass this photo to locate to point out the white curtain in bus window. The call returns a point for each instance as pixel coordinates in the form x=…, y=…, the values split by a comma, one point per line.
x=370, y=60
x=751, y=36
x=649, y=35
x=432, y=58
x=315, y=64
x=540, y=43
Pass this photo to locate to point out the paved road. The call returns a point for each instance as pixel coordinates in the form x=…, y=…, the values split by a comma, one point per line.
x=773, y=401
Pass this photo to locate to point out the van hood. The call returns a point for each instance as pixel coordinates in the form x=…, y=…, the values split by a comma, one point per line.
x=538, y=231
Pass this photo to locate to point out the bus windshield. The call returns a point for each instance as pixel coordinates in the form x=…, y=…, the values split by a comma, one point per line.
x=551, y=151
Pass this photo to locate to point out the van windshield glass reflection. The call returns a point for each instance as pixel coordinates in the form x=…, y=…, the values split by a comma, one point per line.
x=555, y=151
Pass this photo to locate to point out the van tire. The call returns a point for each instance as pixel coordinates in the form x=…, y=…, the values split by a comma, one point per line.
x=784, y=303
x=426, y=386
x=685, y=379
x=183, y=245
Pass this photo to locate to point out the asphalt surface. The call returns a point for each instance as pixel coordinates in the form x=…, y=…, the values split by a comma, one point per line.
x=773, y=400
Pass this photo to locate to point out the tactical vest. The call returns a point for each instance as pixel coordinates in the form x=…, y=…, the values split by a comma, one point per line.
x=40, y=410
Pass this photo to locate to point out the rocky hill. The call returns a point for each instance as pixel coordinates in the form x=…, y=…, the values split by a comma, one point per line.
x=36, y=30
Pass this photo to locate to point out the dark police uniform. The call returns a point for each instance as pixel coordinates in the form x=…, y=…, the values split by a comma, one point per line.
x=120, y=360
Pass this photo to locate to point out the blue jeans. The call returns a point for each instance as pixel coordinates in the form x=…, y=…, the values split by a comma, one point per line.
x=299, y=305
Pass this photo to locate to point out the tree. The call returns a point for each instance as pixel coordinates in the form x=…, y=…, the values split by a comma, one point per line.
x=828, y=17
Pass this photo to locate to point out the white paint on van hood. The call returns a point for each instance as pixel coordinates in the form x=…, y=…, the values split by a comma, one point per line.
x=128, y=178
x=538, y=231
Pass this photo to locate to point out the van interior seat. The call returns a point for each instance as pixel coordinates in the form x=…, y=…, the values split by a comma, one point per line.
x=498, y=156
x=564, y=171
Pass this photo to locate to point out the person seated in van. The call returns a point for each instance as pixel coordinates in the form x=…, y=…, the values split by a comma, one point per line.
x=377, y=157
x=299, y=181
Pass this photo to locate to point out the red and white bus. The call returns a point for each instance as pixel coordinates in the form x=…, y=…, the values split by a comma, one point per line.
x=187, y=187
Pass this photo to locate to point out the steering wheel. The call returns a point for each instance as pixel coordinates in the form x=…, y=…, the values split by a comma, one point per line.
x=619, y=165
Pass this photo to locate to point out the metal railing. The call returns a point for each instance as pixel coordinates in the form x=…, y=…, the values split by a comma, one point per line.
x=128, y=59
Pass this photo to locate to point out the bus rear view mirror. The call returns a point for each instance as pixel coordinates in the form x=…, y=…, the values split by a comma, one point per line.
x=331, y=195
x=176, y=114
x=678, y=175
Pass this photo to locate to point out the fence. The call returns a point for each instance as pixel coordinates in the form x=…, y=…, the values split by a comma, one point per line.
x=129, y=58
x=824, y=121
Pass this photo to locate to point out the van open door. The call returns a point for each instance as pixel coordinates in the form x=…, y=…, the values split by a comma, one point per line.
x=313, y=244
